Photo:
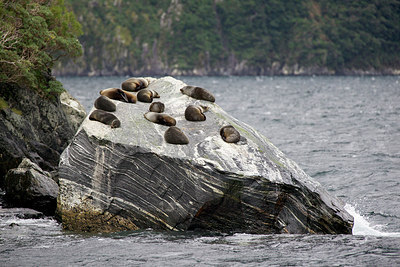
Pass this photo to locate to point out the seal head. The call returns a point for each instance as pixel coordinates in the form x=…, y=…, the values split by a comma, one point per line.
x=174, y=135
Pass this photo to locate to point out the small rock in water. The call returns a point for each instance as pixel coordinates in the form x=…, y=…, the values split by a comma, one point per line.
x=31, y=187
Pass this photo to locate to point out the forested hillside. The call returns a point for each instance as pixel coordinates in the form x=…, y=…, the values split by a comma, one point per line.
x=35, y=34
x=256, y=37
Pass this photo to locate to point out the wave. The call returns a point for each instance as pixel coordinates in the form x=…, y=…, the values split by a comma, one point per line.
x=363, y=227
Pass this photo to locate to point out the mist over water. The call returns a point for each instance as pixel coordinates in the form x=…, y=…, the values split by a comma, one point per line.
x=343, y=131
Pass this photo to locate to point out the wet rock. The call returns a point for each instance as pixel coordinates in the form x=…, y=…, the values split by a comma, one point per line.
x=21, y=213
x=130, y=178
x=31, y=187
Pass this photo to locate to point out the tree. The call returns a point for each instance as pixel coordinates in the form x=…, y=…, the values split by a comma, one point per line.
x=34, y=34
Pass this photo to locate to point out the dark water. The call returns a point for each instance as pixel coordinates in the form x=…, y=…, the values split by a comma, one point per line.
x=343, y=131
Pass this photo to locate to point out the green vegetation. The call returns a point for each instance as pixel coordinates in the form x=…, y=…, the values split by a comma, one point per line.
x=237, y=37
x=4, y=105
x=34, y=34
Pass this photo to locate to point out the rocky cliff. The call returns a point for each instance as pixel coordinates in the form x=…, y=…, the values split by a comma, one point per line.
x=35, y=127
x=130, y=178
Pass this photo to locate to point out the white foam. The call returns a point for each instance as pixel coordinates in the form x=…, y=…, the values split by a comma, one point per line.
x=363, y=227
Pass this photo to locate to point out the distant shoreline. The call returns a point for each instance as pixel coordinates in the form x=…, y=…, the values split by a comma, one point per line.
x=79, y=69
x=356, y=73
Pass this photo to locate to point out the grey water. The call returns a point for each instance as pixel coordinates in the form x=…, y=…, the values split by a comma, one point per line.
x=343, y=131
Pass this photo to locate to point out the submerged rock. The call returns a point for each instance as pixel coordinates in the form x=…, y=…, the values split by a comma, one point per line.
x=21, y=213
x=130, y=178
x=29, y=186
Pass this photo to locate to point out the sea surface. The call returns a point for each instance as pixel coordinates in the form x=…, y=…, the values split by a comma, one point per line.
x=343, y=131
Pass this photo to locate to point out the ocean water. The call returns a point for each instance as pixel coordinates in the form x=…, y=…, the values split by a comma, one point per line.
x=343, y=131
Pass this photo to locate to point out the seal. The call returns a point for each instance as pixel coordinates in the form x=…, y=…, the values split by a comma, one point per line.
x=146, y=95
x=134, y=84
x=157, y=107
x=105, y=117
x=195, y=113
x=104, y=103
x=160, y=118
x=229, y=134
x=131, y=97
x=174, y=135
x=119, y=94
x=198, y=93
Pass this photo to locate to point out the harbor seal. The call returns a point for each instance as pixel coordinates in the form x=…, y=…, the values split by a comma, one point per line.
x=198, y=93
x=105, y=117
x=146, y=95
x=134, y=84
x=160, y=118
x=195, y=113
x=229, y=134
x=174, y=135
x=119, y=94
x=157, y=107
x=104, y=103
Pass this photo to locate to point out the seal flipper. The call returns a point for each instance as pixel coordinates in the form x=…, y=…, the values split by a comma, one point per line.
x=123, y=95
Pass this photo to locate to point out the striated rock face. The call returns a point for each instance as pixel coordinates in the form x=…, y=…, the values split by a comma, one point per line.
x=129, y=178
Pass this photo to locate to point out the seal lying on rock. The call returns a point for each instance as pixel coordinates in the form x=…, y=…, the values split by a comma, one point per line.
x=118, y=94
x=195, y=113
x=174, y=135
x=229, y=134
x=105, y=117
x=198, y=93
x=147, y=96
x=157, y=107
x=160, y=118
x=134, y=84
x=104, y=103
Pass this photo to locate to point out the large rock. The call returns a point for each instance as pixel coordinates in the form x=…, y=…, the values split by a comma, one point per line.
x=30, y=186
x=35, y=127
x=129, y=178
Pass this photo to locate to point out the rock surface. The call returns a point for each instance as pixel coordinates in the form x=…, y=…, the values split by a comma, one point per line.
x=35, y=127
x=75, y=112
x=129, y=178
x=30, y=186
